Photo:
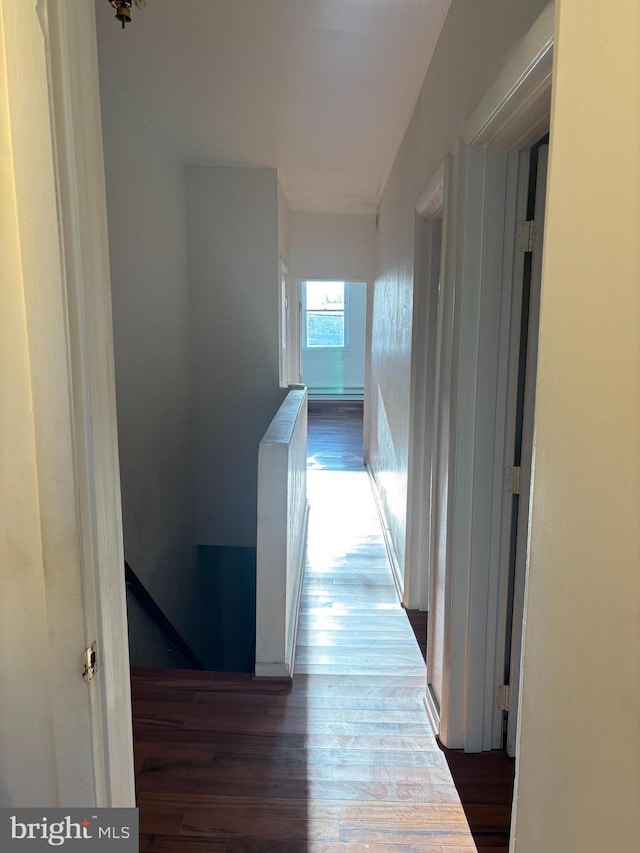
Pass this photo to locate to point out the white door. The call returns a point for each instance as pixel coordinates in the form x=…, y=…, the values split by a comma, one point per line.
x=63, y=741
x=525, y=450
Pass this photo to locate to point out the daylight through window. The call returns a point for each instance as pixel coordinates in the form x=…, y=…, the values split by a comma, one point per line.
x=325, y=307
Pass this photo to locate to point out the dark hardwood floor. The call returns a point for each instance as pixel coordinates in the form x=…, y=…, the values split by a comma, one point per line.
x=334, y=437
x=418, y=622
x=484, y=780
x=485, y=783
x=343, y=760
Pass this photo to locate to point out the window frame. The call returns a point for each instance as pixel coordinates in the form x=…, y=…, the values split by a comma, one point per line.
x=303, y=311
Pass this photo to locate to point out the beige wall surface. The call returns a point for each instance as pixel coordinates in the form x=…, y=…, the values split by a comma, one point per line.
x=26, y=742
x=578, y=784
x=476, y=41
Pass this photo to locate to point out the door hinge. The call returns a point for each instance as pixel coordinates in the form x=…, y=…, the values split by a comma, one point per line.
x=512, y=479
x=526, y=236
x=90, y=662
x=504, y=698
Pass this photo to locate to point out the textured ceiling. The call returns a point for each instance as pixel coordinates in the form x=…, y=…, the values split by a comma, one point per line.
x=322, y=90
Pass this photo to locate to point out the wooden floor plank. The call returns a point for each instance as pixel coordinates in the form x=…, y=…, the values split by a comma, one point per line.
x=343, y=759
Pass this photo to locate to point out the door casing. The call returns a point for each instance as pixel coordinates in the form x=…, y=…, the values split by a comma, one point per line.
x=481, y=274
x=58, y=176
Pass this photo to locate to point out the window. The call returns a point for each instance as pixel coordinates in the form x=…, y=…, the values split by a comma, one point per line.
x=325, y=307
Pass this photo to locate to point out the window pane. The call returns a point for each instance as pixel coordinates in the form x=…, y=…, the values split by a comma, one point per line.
x=325, y=330
x=325, y=296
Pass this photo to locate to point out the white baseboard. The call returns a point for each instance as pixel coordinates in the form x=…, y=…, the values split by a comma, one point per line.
x=277, y=669
x=433, y=711
x=396, y=571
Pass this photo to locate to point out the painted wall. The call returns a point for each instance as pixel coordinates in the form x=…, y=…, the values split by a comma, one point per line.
x=146, y=198
x=578, y=784
x=332, y=246
x=476, y=41
x=339, y=373
x=52, y=725
x=232, y=227
x=28, y=773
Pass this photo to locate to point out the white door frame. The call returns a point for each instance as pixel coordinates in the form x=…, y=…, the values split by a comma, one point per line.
x=58, y=175
x=429, y=242
x=483, y=269
x=521, y=547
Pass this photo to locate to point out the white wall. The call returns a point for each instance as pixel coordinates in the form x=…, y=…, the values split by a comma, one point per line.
x=332, y=246
x=339, y=373
x=232, y=227
x=29, y=774
x=146, y=199
x=476, y=41
x=578, y=782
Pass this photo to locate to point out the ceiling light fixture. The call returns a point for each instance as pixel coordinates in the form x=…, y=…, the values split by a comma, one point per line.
x=123, y=9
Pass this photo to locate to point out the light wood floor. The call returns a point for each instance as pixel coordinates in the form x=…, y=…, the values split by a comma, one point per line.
x=344, y=761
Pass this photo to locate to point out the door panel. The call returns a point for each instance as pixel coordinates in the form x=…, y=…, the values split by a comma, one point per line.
x=526, y=450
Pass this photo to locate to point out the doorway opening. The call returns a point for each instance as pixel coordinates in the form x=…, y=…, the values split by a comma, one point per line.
x=332, y=339
x=523, y=424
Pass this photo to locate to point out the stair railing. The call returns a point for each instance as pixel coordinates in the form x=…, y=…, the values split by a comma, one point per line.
x=149, y=605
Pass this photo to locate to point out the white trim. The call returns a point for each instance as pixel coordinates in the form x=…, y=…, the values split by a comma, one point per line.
x=273, y=670
x=430, y=249
x=516, y=109
x=82, y=200
x=430, y=205
x=442, y=452
x=524, y=509
x=396, y=570
x=433, y=712
x=504, y=441
x=514, y=112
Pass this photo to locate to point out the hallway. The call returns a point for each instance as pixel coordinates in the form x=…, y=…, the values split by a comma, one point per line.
x=344, y=760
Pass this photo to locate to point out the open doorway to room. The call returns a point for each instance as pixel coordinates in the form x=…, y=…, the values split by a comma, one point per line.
x=333, y=328
x=332, y=345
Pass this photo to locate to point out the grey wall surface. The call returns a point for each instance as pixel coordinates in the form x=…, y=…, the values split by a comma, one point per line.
x=232, y=227
x=146, y=199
